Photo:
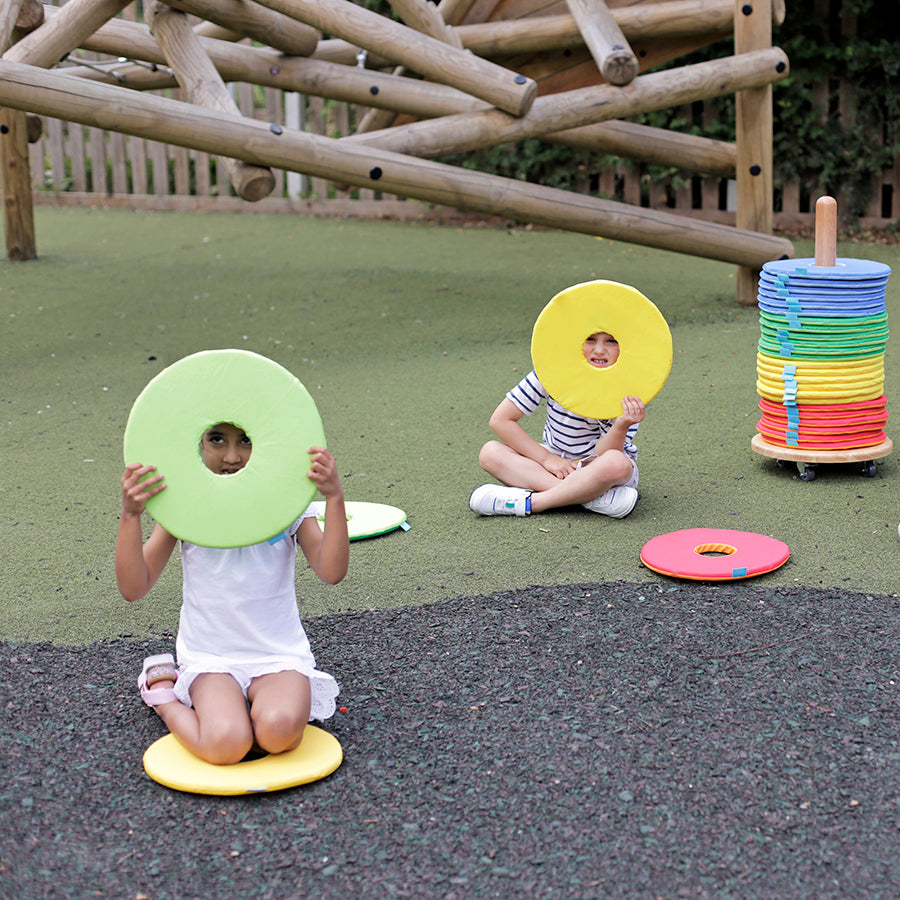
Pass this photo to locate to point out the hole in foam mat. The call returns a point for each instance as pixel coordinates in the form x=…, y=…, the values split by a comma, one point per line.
x=714, y=549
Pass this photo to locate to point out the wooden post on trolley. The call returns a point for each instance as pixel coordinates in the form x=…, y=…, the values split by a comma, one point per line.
x=826, y=231
x=753, y=138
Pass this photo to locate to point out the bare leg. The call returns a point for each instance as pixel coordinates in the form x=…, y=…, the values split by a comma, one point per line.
x=279, y=709
x=513, y=469
x=218, y=728
x=585, y=484
x=548, y=492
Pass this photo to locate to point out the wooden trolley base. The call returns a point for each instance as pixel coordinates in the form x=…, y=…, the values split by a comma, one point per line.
x=807, y=460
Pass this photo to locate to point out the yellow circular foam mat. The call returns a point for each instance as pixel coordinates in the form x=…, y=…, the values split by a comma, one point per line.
x=645, y=348
x=170, y=764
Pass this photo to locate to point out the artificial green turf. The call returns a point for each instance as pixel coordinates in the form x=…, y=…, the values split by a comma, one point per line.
x=407, y=336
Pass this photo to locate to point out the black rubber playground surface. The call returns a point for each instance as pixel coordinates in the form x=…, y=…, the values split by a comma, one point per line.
x=529, y=711
x=598, y=740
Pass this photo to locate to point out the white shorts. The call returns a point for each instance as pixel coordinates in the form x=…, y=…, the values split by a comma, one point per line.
x=323, y=688
x=632, y=482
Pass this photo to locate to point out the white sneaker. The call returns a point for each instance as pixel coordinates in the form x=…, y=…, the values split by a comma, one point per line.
x=616, y=502
x=500, y=500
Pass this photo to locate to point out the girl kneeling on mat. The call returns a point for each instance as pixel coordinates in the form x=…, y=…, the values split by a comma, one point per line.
x=246, y=675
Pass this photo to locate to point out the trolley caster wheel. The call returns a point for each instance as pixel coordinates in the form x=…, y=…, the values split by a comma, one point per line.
x=868, y=469
x=807, y=473
x=780, y=463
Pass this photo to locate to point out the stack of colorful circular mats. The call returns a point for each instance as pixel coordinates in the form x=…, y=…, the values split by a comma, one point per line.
x=820, y=365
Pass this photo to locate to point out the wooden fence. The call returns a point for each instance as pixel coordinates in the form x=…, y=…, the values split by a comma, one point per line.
x=76, y=165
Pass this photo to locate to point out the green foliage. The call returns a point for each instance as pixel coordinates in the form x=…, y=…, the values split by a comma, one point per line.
x=534, y=161
x=837, y=116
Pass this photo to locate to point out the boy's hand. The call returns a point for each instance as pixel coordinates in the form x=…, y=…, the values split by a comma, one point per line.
x=632, y=411
x=558, y=466
x=136, y=493
x=323, y=472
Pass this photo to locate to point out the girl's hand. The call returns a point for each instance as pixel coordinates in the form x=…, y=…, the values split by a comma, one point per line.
x=558, y=466
x=136, y=493
x=323, y=472
x=632, y=411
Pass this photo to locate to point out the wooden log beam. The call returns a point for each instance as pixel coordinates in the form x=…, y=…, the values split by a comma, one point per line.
x=62, y=33
x=251, y=20
x=9, y=15
x=210, y=29
x=584, y=106
x=31, y=15
x=500, y=87
x=454, y=11
x=266, y=67
x=173, y=122
x=422, y=99
x=604, y=38
x=425, y=17
x=541, y=34
x=655, y=146
x=203, y=85
x=377, y=117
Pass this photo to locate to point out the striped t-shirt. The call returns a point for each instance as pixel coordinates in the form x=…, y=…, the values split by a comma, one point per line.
x=566, y=434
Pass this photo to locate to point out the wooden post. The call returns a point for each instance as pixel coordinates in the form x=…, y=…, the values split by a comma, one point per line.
x=203, y=85
x=15, y=173
x=15, y=186
x=753, y=138
x=583, y=106
x=498, y=86
x=45, y=46
x=270, y=28
x=615, y=59
x=170, y=121
x=826, y=231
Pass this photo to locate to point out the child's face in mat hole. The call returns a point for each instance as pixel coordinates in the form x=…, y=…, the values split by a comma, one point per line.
x=225, y=448
x=601, y=349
